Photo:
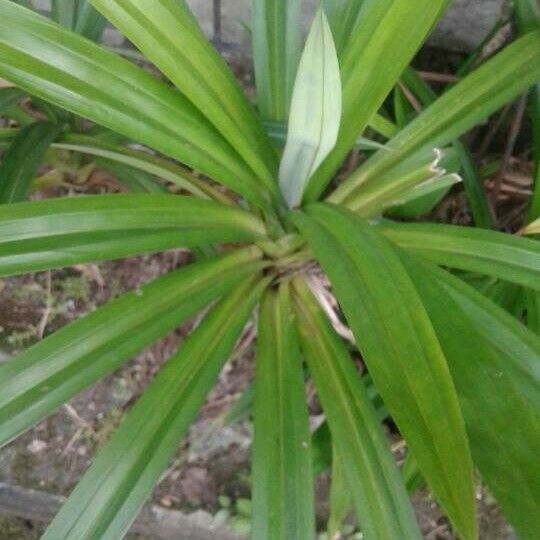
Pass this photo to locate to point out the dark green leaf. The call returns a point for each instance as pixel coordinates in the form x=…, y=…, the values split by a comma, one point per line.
x=401, y=350
x=475, y=97
x=111, y=493
x=373, y=60
x=276, y=53
x=507, y=257
x=373, y=479
x=283, y=500
x=37, y=381
x=168, y=34
x=60, y=232
x=69, y=71
x=22, y=160
x=504, y=432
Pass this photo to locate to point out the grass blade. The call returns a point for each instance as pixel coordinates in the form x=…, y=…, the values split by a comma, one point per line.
x=111, y=493
x=37, y=381
x=283, y=500
x=60, y=232
x=373, y=479
x=23, y=159
x=507, y=257
x=387, y=318
x=504, y=433
x=315, y=112
x=475, y=97
x=168, y=34
x=276, y=53
x=71, y=72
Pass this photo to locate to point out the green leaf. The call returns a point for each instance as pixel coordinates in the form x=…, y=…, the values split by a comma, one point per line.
x=373, y=60
x=507, y=257
x=504, y=432
x=400, y=348
x=283, y=500
x=470, y=101
x=69, y=71
x=276, y=53
x=508, y=336
x=476, y=195
x=135, y=180
x=90, y=23
x=393, y=188
x=37, y=381
x=155, y=165
x=315, y=112
x=532, y=300
x=64, y=12
x=168, y=34
x=424, y=197
x=111, y=493
x=342, y=16
x=60, y=232
x=340, y=497
x=23, y=159
x=379, y=496
x=9, y=98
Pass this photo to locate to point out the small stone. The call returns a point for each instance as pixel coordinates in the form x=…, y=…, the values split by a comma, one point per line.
x=37, y=446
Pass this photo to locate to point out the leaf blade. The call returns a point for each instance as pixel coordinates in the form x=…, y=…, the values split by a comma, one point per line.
x=40, y=379
x=380, y=498
x=109, y=496
x=492, y=253
x=315, y=112
x=471, y=100
x=387, y=317
x=283, y=490
x=59, y=232
x=73, y=73
x=22, y=160
x=168, y=34
x=504, y=433
x=276, y=53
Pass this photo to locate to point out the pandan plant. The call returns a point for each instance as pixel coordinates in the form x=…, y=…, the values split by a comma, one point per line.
x=457, y=374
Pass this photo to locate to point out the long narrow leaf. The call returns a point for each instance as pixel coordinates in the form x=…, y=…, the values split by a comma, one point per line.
x=476, y=195
x=377, y=53
x=315, y=112
x=40, y=379
x=276, y=53
x=342, y=16
x=90, y=23
x=503, y=431
x=22, y=160
x=507, y=257
x=474, y=98
x=401, y=350
x=60, y=232
x=111, y=493
x=283, y=501
x=143, y=161
x=502, y=331
x=69, y=71
x=168, y=34
x=64, y=12
x=373, y=479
